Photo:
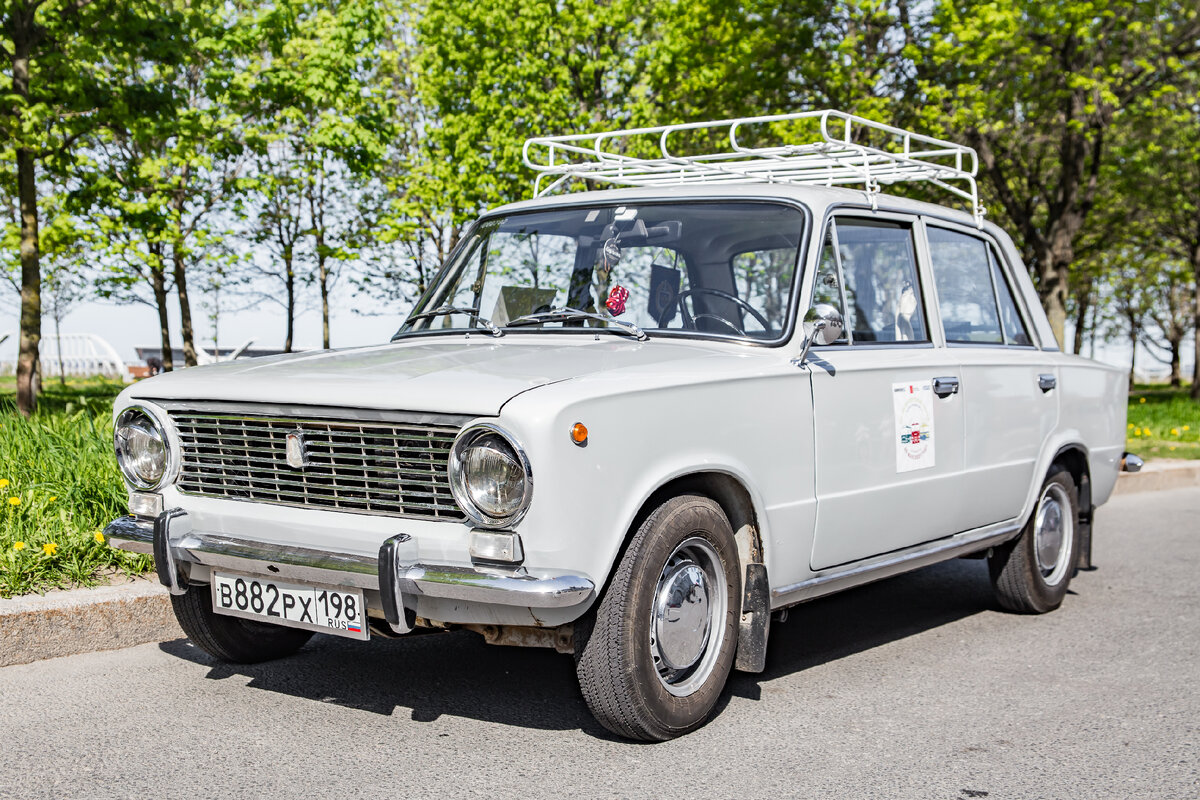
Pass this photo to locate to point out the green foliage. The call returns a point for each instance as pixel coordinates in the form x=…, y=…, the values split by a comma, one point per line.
x=59, y=487
x=1163, y=423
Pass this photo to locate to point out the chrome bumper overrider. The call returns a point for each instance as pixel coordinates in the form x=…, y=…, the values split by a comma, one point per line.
x=395, y=572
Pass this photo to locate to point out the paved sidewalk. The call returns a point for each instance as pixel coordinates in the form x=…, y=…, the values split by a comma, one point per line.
x=34, y=627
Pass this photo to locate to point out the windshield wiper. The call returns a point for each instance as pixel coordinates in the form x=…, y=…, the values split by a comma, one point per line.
x=472, y=313
x=566, y=313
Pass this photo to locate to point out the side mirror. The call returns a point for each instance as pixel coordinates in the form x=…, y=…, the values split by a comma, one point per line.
x=822, y=325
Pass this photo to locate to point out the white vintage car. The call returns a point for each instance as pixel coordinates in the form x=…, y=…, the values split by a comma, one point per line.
x=633, y=424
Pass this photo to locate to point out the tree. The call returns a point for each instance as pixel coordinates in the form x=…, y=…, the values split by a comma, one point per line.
x=1038, y=89
x=56, y=91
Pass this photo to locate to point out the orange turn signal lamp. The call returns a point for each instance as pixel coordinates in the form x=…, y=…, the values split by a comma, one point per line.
x=579, y=434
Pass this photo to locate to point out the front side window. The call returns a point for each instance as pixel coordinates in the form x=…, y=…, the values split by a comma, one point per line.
x=719, y=269
x=881, y=288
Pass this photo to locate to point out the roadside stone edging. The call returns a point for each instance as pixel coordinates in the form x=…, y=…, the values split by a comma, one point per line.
x=1157, y=476
x=35, y=627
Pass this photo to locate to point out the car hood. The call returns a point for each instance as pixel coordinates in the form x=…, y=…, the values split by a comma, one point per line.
x=475, y=376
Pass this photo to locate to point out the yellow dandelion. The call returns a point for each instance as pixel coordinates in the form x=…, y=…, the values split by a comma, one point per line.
x=1137, y=431
x=99, y=537
x=3, y=483
x=1187, y=427
x=1131, y=426
x=1172, y=447
x=18, y=546
x=52, y=498
x=1174, y=431
x=1141, y=399
x=14, y=501
x=1149, y=432
x=49, y=548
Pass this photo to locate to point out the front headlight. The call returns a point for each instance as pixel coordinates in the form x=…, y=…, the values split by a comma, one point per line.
x=141, y=446
x=490, y=476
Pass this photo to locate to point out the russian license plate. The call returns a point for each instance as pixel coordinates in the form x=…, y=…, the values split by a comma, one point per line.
x=324, y=609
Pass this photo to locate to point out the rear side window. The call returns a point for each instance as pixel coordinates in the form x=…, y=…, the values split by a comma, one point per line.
x=879, y=281
x=963, y=274
x=1015, y=331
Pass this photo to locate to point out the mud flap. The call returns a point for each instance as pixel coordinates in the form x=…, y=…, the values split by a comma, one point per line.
x=756, y=621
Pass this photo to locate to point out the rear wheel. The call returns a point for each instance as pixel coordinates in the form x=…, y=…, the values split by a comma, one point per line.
x=239, y=641
x=1031, y=573
x=654, y=655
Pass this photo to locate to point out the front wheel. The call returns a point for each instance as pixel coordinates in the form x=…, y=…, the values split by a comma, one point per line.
x=238, y=641
x=654, y=655
x=1030, y=574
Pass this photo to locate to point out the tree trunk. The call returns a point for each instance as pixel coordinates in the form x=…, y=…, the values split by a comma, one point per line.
x=1084, y=303
x=185, y=308
x=1054, y=271
x=1133, y=341
x=23, y=33
x=1176, y=346
x=290, y=281
x=31, y=285
x=158, y=281
x=324, y=301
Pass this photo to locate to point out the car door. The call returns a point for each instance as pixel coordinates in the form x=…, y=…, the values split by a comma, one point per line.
x=888, y=418
x=1009, y=387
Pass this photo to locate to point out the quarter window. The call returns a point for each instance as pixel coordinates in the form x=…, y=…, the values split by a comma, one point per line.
x=962, y=271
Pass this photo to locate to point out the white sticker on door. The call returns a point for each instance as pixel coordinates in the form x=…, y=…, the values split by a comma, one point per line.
x=914, y=425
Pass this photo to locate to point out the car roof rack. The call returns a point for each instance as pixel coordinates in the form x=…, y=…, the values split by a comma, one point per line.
x=839, y=157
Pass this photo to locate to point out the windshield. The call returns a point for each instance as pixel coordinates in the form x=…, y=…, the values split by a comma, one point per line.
x=719, y=269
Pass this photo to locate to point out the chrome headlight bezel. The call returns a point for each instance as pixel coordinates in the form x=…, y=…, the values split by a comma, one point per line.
x=466, y=439
x=125, y=419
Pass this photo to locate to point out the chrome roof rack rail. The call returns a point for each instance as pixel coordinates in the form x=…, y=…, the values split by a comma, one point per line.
x=838, y=157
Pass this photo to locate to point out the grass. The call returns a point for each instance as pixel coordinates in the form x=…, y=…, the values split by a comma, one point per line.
x=59, y=487
x=59, y=484
x=1163, y=423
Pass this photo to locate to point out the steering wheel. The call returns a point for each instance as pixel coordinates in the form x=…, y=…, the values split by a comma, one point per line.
x=689, y=321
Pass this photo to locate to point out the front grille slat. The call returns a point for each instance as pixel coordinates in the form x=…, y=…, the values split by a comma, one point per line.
x=369, y=468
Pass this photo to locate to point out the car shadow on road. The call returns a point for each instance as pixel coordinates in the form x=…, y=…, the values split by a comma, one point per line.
x=457, y=674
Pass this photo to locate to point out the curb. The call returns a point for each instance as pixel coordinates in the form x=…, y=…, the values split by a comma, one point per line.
x=35, y=627
x=1158, y=476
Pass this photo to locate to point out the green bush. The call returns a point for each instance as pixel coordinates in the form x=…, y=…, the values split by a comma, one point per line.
x=59, y=487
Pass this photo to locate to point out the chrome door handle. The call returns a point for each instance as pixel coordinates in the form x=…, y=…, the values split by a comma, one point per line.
x=944, y=387
x=1047, y=382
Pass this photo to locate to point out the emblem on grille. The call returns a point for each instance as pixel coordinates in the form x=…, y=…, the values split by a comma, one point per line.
x=297, y=454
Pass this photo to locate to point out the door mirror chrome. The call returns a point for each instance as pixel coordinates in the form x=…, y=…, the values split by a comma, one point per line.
x=822, y=325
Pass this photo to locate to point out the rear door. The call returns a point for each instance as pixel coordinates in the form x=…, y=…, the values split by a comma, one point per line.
x=888, y=419
x=1009, y=386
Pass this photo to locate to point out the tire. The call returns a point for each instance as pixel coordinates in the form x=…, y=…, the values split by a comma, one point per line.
x=1029, y=582
x=645, y=668
x=237, y=641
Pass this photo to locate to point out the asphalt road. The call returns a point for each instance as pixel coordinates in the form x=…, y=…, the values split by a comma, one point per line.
x=913, y=687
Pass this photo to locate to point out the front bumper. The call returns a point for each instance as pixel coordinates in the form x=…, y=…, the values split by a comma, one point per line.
x=396, y=573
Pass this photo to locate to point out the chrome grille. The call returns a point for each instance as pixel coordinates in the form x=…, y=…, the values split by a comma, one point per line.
x=370, y=468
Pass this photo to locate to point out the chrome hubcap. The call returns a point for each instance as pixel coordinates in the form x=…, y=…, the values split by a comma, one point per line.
x=687, y=620
x=1052, y=532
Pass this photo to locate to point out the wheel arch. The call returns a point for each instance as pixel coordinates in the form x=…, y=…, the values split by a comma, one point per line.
x=1074, y=458
x=739, y=507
